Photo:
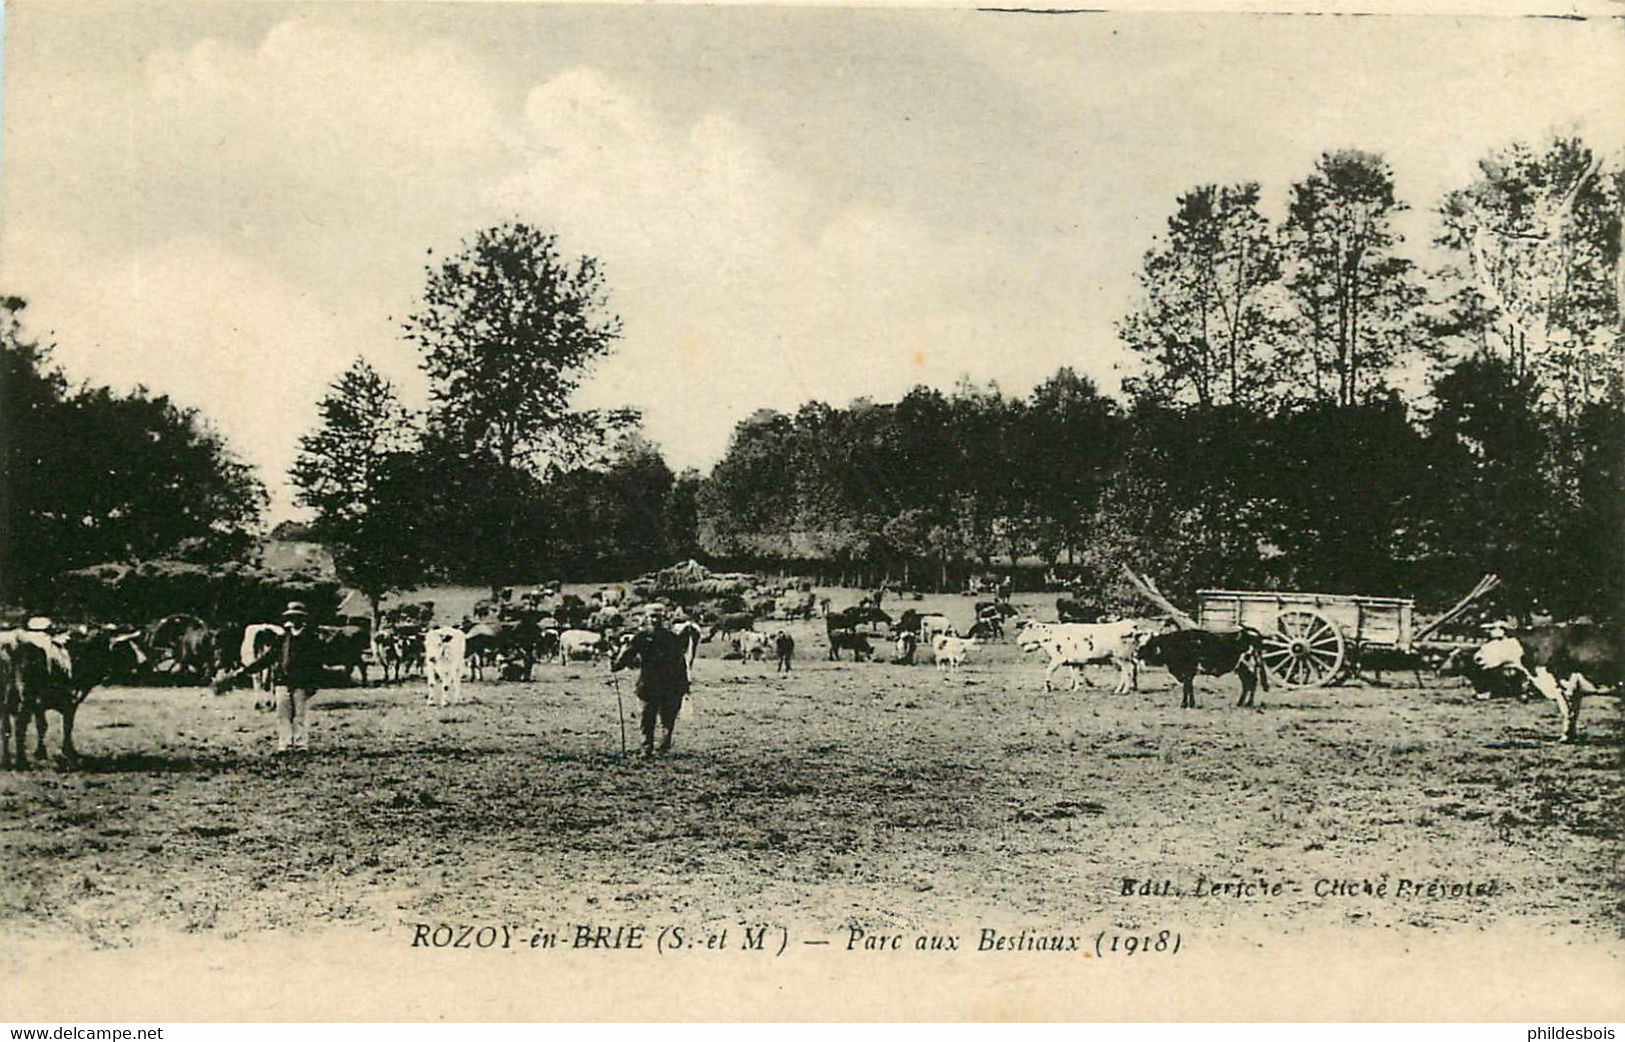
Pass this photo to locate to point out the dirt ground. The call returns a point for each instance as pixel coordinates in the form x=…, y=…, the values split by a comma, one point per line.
x=871, y=794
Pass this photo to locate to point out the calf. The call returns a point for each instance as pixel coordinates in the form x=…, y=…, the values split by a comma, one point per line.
x=784, y=648
x=444, y=650
x=753, y=645
x=857, y=643
x=1185, y=653
x=907, y=644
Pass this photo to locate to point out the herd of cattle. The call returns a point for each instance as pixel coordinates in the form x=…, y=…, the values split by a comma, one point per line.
x=41, y=670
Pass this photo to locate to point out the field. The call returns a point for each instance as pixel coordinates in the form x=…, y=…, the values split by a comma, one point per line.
x=869, y=794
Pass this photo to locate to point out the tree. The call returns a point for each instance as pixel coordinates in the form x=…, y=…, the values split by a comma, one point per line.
x=1207, y=317
x=508, y=327
x=1352, y=295
x=1534, y=276
x=1072, y=436
x=348, y=470
x=90, y=476
x=1491, y=505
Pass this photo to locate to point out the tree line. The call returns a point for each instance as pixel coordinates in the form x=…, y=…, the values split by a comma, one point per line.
x=1311, y=408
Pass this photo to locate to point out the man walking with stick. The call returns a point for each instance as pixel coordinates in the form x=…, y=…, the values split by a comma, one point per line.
x=296, y=664
x=662, y=660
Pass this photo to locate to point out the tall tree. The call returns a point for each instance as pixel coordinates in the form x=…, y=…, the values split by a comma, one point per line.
x=1352, y=294
x=1207, y=316
x=508, y=328
x=1534, y=271
x=347, y=471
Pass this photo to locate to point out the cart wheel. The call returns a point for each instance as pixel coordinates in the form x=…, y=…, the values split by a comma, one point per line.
x=1306, y=649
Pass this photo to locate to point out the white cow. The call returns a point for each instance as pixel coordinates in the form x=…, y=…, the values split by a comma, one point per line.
x=257, y=640
x=931, y=625
x=950, y=650
x=581, y=644
x=1077, y=644
x=443, y=652
x=691, y=632
x=753, y=645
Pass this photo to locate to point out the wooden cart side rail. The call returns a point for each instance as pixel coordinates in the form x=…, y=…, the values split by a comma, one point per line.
x=1295, y=597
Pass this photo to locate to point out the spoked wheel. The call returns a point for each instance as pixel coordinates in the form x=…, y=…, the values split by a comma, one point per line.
x=1306, y=649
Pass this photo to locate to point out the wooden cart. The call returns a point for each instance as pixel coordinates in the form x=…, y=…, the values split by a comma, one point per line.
x=1310, y=638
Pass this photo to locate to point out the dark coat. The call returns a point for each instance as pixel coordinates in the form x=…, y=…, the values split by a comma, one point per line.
x=295, y=660
x=662, y=660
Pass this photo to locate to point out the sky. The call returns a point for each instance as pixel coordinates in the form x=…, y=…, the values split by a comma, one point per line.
x=228, y=203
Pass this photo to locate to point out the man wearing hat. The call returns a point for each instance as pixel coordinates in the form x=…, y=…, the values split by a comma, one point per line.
x=295, y=661
x=661, y=656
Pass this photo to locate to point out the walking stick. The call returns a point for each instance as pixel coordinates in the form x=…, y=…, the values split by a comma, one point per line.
x=621, y=710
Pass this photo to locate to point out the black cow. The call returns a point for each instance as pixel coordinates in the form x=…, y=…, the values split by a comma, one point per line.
x=857, y=643
x=1185, y=653
x=1069, y=610
x=784, y=648
x=732, y=622
x=346, y=647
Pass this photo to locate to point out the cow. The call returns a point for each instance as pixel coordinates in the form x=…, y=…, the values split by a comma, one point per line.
x=691, y=632
x=1563, y=662
x=852, y=618
x=784, y=649
x=753, y=645
x=258, y=638
x=1077, y=644
x=907, y=644
x=857, y=643
x=932, y=625
x=990, y=615
x=39, y=673
x=950, y=650
x=398, y=649
x=483, y=640
x=731, y=623
x=1069, y=610
x=547, y=644
x=444, y=649
x=347, y=647
x=1187, y=652
x=183, y=641
x=1503, y=681
x=582, y=644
